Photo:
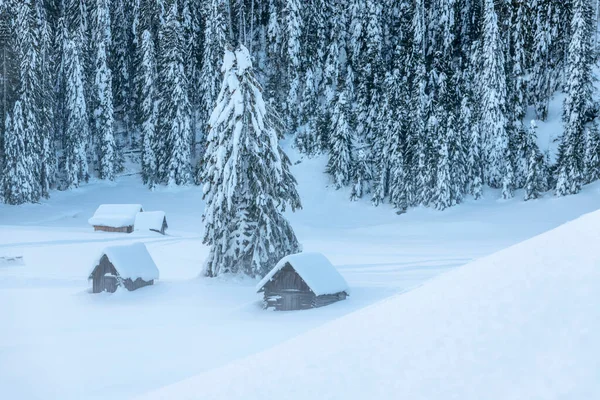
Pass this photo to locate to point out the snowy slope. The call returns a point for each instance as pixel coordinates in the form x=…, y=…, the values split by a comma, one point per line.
x=520, y=324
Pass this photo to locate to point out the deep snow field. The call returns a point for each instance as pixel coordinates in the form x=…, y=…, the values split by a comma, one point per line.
x=57, y=340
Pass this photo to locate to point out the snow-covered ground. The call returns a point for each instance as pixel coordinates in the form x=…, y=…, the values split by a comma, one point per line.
x=57, y=340
x=520, y=324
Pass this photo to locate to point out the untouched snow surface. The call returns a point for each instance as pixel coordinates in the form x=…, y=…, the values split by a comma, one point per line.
x=57, y=340
x=520, y=324
x=131, y=261
x=315, y=269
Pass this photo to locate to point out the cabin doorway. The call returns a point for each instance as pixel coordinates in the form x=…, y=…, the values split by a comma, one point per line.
x=290, y=302
x=108, y=283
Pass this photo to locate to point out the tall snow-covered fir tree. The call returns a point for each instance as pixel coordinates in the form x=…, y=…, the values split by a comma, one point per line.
x=215, y=38
x=307, y=135
x=174, y=113
x=148, y=110
x=45, y=136
x=498, y=169
x=247, y=180
x=121, y=64
x=419, y=142
x=578, y=101
x=536, y=181
x=107, y=163
x=341, y=143
x=591, y=171
x=19, y=175
x=541, y=72
x=77, y=129
x=26, y=124
x=293, y=34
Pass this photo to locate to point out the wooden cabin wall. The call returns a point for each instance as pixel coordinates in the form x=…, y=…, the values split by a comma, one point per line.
x=103, y=267
x=287, y=279
x=123, y=229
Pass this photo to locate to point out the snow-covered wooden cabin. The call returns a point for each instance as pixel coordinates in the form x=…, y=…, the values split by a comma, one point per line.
x=115, y=217
x=129, y=266
x=151, y=221
x=301, y=281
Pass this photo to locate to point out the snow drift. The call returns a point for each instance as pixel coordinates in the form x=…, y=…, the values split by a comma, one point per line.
x=520, y=324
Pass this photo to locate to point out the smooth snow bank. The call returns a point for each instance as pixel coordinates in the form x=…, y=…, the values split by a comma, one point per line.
x=315, y=269
x=149, y=221
x=131, y=261
x=520, y=324
x=115, y=215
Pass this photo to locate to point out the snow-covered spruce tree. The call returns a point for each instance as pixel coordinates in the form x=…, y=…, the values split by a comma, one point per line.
x=293, y=34
x=368, y=74
x=388, y=109
x=148, y=110
x=332, y=73
x=77, y=130
x=418, y=142
x=362, y=173
x=391, y=179
x=79, y=22
x=193, y=44
x=28, y=124
x=473, y=162
x=275, y=70
x=592, y=154
x=536, y=181
x=367, y=62
x=121, y=63
x=341, y=139
x=46, y=134
x=541, y=71
x=19, y=175
x=215, y=38
x=174, y=112
x=307, y=138
x=519, y=43
x=442, y=195
x=247, y=181
x=398, y=181
x=104, y=113
x=579, y=92
x=469, y=123
x=8, y=68
x=498, y=169
x=334, y=65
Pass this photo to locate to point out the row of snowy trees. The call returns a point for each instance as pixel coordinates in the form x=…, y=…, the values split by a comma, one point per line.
x=423, y=102
x=83, y=83
x=415, y=102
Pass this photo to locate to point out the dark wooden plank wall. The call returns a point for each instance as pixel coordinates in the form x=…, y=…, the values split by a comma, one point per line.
x=287, y=279
x=123, y=229
x=104, y=267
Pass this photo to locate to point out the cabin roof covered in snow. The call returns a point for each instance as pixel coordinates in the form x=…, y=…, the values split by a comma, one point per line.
x=315, y=269
x=115, y=215
x=149, y=220
x=131, y=261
